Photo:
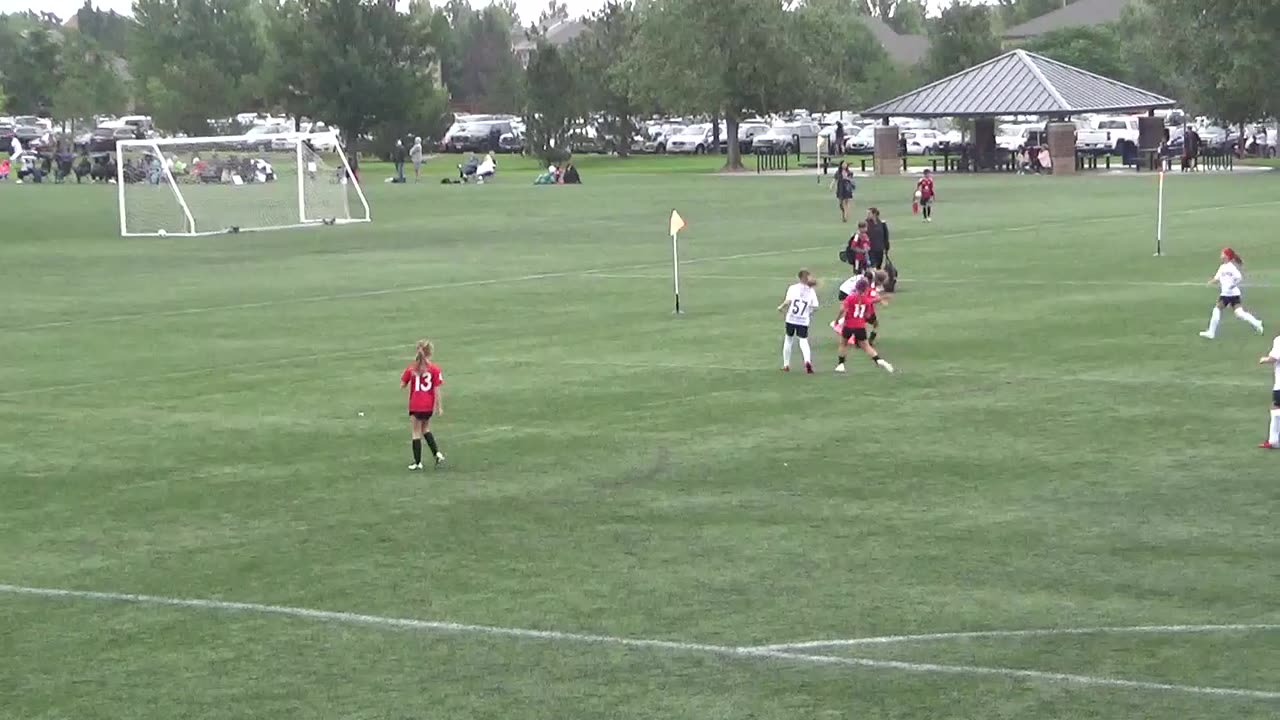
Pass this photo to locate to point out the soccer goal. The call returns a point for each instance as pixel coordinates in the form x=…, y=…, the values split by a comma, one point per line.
x=211, y=185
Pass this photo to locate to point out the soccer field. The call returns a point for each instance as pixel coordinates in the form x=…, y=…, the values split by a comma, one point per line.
x=214, y=428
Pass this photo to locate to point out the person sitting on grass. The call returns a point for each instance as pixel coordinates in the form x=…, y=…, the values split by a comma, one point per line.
x=487, y=168
x=570, y=174
x=467, y=170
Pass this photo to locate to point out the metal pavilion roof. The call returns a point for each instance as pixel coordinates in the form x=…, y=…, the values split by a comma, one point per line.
x=1020, y=83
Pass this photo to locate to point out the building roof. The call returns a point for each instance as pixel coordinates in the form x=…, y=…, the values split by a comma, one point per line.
x=902, y=49
x=559, y=34
x=1078, y=13
x=1020, y=83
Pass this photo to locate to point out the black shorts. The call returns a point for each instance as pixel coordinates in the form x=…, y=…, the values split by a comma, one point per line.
x=860, y=262
x=841, y=295
x=1275, y=398
x=926, y=201
x=1229, y=300
x=873, y=320
x=800, y=331
x=423, y=416
x=876, y=259
x=857, y=335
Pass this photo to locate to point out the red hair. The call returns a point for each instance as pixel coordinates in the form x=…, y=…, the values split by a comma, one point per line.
x=1233, y=256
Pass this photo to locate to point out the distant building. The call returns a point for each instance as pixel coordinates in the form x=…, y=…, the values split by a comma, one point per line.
x=559, y=34
x=1081, y=13
x=905, y=50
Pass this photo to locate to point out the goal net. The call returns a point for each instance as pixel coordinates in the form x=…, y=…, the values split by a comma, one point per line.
x=210, y=185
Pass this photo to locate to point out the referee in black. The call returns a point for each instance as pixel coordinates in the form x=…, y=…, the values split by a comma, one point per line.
x=878, y=231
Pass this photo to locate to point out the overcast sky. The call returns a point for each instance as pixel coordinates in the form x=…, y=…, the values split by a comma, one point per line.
x=529, y=9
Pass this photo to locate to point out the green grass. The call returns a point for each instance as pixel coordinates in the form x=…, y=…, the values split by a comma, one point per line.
x=181, y=418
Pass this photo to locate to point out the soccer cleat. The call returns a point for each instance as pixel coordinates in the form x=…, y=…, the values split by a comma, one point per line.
x=1259, y=330
x=439, y=460
x=786, y=368
x=1266, y=445
x=415, y=466
x=887, y=367
x=808, y=368
x=1206, y=335
x=840, y=368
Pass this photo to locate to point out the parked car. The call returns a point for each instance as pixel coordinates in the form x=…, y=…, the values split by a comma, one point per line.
x=782, y=137
x=104, y=139
x=32, y=137
x=475, y=136
x=922, y=142
x=263, y=137
x=1117, y=129
x=862, y=142
x=695, y=139
x=1013, y=136
x=6, y=135
x=747, y=133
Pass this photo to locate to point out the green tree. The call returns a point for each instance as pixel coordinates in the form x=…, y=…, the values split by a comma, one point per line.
x=1016, y=12
x=1223, y=54
x=109, y=30
x=1097, y=49
x=488, y=75
x=736, y=57
x=844, y=65
x=196, y=59
x=959, y=39
x=90, y=84
x=33, y=71
x=551, y=95
x=4, y=99
x=603, y=82
x=1146, y=58
x=904, y=16
x=366, y=66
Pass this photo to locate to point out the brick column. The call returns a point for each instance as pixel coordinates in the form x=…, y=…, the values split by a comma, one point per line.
x=984, y=142
x=1062, y=147
x=887, y=161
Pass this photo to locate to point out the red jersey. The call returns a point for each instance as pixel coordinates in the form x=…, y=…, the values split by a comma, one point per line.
x=422, y=388
x=860, y=243
x=925, y=186
x=857, y=308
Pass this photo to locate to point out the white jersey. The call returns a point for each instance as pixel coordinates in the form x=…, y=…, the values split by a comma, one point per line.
x=1275, y=353
x=801, y=302
x=846, y=287
x=1229, y=278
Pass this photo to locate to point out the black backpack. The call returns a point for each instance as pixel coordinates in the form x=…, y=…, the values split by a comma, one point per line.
x=891, y=284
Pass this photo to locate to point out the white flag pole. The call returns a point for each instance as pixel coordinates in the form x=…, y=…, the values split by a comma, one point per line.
x=1160, y=215
x=675, y=268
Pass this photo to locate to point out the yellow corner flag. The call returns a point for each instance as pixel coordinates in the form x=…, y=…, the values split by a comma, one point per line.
x=677, y=222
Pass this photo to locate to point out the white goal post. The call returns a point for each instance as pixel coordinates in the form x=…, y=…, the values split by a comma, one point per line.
x=213, y=185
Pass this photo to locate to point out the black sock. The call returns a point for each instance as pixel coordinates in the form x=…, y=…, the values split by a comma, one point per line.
x=417, y=452
x=431, y=443
x=875, y=359
x=841, y=358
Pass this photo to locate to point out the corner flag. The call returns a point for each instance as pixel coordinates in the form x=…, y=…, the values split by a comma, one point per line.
x=677, y=224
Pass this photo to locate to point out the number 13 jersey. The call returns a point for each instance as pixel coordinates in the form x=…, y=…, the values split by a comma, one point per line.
x=422, y=388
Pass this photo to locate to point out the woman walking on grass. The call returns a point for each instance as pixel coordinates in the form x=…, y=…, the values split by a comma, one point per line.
x=844, y=186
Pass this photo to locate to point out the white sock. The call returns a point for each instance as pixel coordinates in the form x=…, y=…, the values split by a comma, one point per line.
x=1273, y=437
x=1249, y=318
x=786, y=351
x=1214, y=319
x=805, y=351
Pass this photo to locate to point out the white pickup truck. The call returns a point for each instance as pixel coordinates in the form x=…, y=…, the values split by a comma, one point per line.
x=1107, y=132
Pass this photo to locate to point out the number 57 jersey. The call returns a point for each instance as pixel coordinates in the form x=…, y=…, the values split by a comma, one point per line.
x=801, y=301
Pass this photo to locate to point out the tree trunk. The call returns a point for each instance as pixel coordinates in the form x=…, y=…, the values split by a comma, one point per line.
x=351, y=139
x=733, y=161
x=715, y=133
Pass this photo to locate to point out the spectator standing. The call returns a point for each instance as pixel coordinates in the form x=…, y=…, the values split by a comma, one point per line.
x=415, y=154
x=397, y=157
x=878, y=232
x=839, y=148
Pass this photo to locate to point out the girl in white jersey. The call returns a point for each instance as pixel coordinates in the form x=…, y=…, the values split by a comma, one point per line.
x=1229, y=277
x=798, y=306
x=1273, y=430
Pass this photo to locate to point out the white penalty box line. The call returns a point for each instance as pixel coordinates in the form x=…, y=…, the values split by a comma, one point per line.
x=785, y=652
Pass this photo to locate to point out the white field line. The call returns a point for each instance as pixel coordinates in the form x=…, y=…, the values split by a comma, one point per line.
x=1044, y=632
x=346, y=618
x=388, y=291
x=573, y=273
x=926, y=371
x=1069, y=678
x=931, y=280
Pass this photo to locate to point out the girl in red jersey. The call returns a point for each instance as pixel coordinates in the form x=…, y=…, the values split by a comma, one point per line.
x=425, y=383
x=856, y=310
x=925, y=195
